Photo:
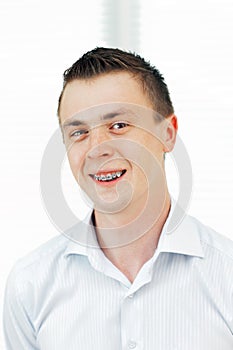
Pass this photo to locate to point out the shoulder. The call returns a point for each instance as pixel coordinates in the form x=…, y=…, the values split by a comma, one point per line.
x=216, y=266
x=36, y=264
x=212, y=241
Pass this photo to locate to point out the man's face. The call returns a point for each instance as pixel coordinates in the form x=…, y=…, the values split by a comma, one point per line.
x=114, y=141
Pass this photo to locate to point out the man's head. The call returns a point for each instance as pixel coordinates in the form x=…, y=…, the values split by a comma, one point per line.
x=107, y=60
x=114, y=135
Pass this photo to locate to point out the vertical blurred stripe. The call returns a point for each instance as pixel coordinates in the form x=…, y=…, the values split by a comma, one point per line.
x=121, y=24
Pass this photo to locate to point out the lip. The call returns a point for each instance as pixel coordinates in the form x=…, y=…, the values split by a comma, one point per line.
x=105, y=173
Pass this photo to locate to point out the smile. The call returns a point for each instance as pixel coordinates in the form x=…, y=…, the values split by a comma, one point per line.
x=107, y=177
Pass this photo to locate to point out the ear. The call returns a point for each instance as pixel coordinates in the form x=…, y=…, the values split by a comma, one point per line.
x=170, y=131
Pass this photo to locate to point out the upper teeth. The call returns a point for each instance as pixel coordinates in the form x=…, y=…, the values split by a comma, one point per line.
x=107, y=177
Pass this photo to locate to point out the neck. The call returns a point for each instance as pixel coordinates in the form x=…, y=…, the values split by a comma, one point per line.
x=128, y=242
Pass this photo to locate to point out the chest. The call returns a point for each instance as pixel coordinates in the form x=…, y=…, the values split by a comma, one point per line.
x=168, y=313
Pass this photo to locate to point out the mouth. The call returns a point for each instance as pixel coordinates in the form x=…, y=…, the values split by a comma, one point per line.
x=108, y=176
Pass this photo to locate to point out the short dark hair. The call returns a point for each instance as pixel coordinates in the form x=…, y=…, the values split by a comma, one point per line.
x=108, y=60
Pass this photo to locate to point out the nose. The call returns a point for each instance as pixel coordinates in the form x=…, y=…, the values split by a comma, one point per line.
x=99, y=143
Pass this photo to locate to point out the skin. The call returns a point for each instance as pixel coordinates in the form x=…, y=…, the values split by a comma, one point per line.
x=139, y=200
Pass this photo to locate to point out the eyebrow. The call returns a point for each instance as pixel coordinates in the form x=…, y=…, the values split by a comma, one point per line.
x=112, y=115
x=71, y=122
x=108, y=116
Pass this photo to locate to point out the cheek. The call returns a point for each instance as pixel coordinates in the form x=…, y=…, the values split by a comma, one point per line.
x=151, y=156
x=76, y=159
x=155, y=146
x=150, y=146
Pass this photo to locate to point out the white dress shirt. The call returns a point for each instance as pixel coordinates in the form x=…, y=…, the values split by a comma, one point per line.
x=68, y=296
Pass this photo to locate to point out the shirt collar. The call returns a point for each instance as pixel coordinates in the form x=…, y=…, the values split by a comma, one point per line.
x=81, y=237
x=180, y=234
x=182, y=239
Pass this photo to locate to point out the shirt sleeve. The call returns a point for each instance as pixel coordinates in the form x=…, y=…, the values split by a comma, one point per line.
x=18, y=327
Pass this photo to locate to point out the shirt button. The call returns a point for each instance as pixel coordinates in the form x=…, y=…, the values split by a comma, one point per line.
x=132, y=344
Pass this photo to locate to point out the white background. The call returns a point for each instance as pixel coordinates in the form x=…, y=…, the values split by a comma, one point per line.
x=191, y=44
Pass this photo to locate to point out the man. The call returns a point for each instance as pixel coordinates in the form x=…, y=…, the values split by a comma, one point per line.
x=120, y=280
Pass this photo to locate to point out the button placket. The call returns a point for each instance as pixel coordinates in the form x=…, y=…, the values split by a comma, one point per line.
x=131, y=327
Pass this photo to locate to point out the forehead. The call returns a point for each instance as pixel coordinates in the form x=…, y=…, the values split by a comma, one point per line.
x=120, y=87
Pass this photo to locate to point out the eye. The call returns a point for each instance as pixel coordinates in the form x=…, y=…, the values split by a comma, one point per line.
x=79, y=134
x=119, y=126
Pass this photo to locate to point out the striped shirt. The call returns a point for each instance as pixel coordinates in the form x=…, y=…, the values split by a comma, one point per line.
x=66, y=295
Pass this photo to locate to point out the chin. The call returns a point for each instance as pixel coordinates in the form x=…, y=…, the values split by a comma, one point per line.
x=110, y=206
